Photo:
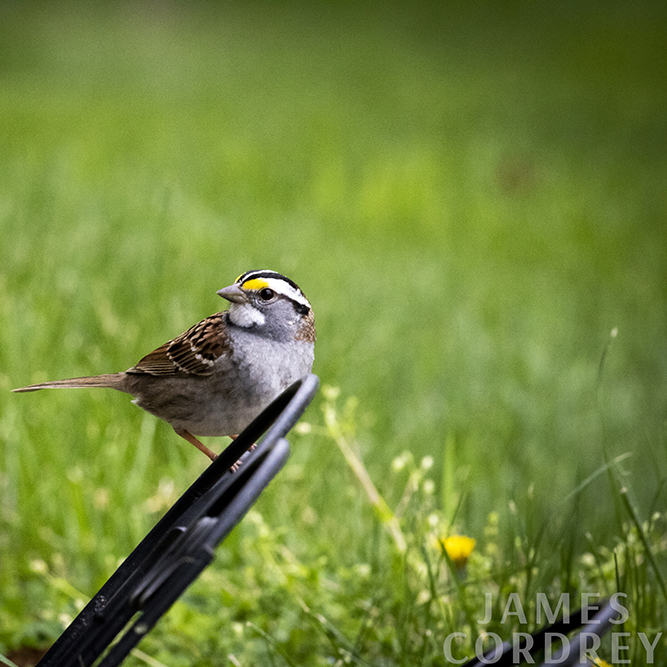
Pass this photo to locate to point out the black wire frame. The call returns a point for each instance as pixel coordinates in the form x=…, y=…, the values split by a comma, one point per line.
x=183, y=541
x=571, y=654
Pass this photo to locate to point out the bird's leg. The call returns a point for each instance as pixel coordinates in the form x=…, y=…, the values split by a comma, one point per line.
x=193, y=441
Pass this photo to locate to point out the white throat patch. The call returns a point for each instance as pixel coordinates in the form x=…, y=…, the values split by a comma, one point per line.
x=245, y=315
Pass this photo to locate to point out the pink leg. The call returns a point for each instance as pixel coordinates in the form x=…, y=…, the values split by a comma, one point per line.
x=199, y=445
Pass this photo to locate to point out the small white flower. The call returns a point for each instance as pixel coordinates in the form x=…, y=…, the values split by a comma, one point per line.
x=588, y=559
x=398, y=463
x=423, y=597
x=330, y=393
x=65, y=619
x=362, y=569
x=38, y=566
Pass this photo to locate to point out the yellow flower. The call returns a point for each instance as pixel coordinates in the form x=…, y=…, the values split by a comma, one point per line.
x=459, y=548
x=599, y=662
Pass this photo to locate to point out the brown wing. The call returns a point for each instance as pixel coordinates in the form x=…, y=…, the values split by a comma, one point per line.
x=193, y=352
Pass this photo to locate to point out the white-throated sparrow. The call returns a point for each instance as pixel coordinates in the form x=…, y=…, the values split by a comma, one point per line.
x=215, y=378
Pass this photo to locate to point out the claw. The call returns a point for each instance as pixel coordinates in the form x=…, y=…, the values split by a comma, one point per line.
x=239, y=463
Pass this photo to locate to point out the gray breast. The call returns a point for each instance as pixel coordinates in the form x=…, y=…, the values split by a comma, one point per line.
x=266, y=367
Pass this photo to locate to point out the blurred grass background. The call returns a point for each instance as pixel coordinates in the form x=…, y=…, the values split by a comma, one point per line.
x=472, y=195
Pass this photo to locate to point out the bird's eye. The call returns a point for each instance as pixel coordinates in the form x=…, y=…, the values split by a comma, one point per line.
x=267, y=294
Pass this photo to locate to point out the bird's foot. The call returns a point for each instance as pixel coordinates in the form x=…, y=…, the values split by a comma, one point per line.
x=239, y=463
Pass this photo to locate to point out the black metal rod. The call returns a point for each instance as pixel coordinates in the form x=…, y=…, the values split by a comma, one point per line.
x=109, y=611
x=504, y=655
x=158, y=598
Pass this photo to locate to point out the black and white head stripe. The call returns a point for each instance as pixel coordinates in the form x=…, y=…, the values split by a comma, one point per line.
x=262, y=279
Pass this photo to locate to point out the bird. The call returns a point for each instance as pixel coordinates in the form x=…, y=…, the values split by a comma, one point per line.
x=217, y=376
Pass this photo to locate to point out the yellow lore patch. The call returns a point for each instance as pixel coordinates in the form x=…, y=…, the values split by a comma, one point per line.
x=255, y=284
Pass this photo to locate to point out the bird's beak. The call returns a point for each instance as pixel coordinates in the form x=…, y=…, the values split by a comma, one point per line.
x=233, y=293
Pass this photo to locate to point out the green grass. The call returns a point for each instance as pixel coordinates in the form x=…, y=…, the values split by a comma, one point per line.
x=473, y=198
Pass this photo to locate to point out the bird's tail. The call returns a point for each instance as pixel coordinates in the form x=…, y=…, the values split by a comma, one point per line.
x=110, y=380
